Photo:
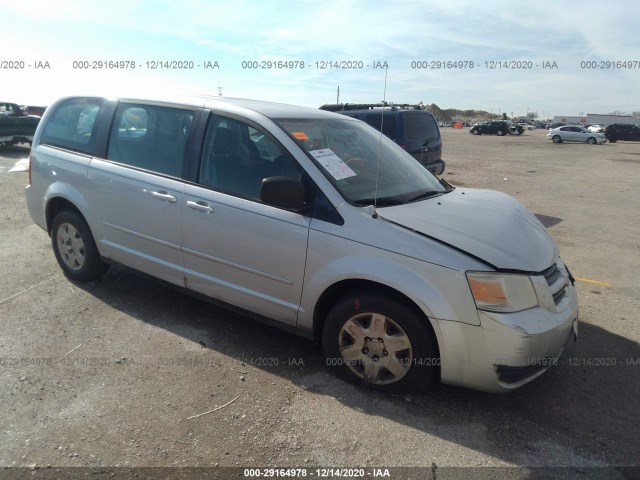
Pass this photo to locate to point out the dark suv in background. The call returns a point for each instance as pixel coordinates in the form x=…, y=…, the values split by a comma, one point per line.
x=409, y=126
x=496, y=127
x=15, y=126
x=622, y=131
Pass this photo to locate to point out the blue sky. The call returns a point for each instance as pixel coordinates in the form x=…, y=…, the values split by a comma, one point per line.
x=396, y=32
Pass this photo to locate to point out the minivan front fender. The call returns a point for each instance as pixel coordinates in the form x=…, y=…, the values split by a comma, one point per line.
x=440, y=292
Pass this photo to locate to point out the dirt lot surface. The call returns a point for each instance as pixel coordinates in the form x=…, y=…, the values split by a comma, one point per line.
x=115, y=373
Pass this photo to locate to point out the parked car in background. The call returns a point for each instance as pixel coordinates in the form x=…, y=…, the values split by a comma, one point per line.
x=35, y=111
x=516, y=129
x=15, y=126
x=526, y=126
x=556, y=125
x=622, y=131
x=310, y=221
x=493, y=127
x=414, y=129
x=574, y=133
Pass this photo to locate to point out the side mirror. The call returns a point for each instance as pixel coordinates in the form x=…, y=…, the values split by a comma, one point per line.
x=283, y=192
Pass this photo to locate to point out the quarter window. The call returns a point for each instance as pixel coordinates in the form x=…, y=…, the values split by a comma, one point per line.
x=71, y=125
x=150, y=137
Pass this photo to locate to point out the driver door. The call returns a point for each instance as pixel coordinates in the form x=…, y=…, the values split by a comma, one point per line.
x=236, y=248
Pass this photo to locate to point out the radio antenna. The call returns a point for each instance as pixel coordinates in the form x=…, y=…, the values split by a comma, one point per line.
x=384, y=102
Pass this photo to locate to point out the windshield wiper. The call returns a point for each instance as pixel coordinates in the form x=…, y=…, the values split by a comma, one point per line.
x=381, y=202
x=400, y=200
x=428, y=194
x=428, y=141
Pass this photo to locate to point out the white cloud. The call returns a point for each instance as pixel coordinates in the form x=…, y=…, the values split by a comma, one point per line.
x=395, y=31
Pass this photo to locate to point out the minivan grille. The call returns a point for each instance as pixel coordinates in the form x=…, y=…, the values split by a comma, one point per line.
x=557, y=282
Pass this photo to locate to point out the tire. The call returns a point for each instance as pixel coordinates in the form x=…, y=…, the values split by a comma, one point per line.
x=556, y=139
x=500, y=133
x=475, y=132
x=381, y=343
x=75, y=248
x=591, y=141
x=613, y=140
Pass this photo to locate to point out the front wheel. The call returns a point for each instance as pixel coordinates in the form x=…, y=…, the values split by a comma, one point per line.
x=613, y=140
x=475, y=132
x=556, y=139
x=591, y=140
x=380, y=343
x=75, y=248
x=499, y=133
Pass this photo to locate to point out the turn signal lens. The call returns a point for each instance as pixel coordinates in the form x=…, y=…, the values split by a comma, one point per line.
x=502, y=292
x=488, y=292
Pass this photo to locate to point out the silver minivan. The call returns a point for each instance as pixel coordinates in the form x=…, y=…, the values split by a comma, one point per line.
x=312, y=221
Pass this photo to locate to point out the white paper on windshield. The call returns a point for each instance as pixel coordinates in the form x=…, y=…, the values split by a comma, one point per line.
x=333, y=163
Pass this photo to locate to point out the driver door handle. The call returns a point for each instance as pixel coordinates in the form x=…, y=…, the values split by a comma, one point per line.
x=200, y=206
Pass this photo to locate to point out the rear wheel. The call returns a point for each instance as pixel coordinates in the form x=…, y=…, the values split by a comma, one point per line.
x=381, y=343
x=556, y=139
x=499, y=133
x=613, y=140
x=75, y=248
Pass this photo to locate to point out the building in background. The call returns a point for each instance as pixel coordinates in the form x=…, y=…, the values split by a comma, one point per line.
x=592, y=118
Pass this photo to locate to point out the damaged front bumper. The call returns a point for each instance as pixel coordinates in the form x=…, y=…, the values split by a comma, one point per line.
x=509, y=350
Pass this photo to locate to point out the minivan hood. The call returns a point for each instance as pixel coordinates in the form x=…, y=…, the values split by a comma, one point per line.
x=487, y=224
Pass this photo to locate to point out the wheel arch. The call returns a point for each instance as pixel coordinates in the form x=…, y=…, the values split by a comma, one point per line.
x=61, y=196
x=340, y=289
x=57, y=205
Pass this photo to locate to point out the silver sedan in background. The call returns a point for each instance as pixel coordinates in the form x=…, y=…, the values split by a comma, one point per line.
x=574, y=133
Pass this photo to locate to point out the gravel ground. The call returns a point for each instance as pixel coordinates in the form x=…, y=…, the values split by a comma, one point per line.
x=113, y=374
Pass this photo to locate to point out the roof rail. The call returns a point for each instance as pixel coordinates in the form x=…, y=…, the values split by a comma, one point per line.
x=337, y=107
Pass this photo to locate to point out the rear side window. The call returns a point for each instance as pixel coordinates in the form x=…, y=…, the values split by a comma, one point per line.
x=150, y=137
x=389, y=125
x=420, y=126
x=10, y=109
x=71, y=125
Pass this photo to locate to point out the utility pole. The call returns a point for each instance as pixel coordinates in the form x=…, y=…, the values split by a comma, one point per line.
x=338, y=96
x=220, y=91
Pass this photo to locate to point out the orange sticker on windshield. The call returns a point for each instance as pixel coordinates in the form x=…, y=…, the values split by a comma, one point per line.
x=300, y=135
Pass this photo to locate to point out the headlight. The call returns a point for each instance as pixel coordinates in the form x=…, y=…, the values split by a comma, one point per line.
x=502, y=292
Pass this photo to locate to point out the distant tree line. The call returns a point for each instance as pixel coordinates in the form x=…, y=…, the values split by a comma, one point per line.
x=620, y=112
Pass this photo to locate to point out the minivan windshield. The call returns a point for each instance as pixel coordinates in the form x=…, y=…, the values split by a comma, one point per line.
x=348, y=150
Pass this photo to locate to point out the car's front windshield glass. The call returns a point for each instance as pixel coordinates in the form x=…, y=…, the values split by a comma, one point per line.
x=363, y=164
